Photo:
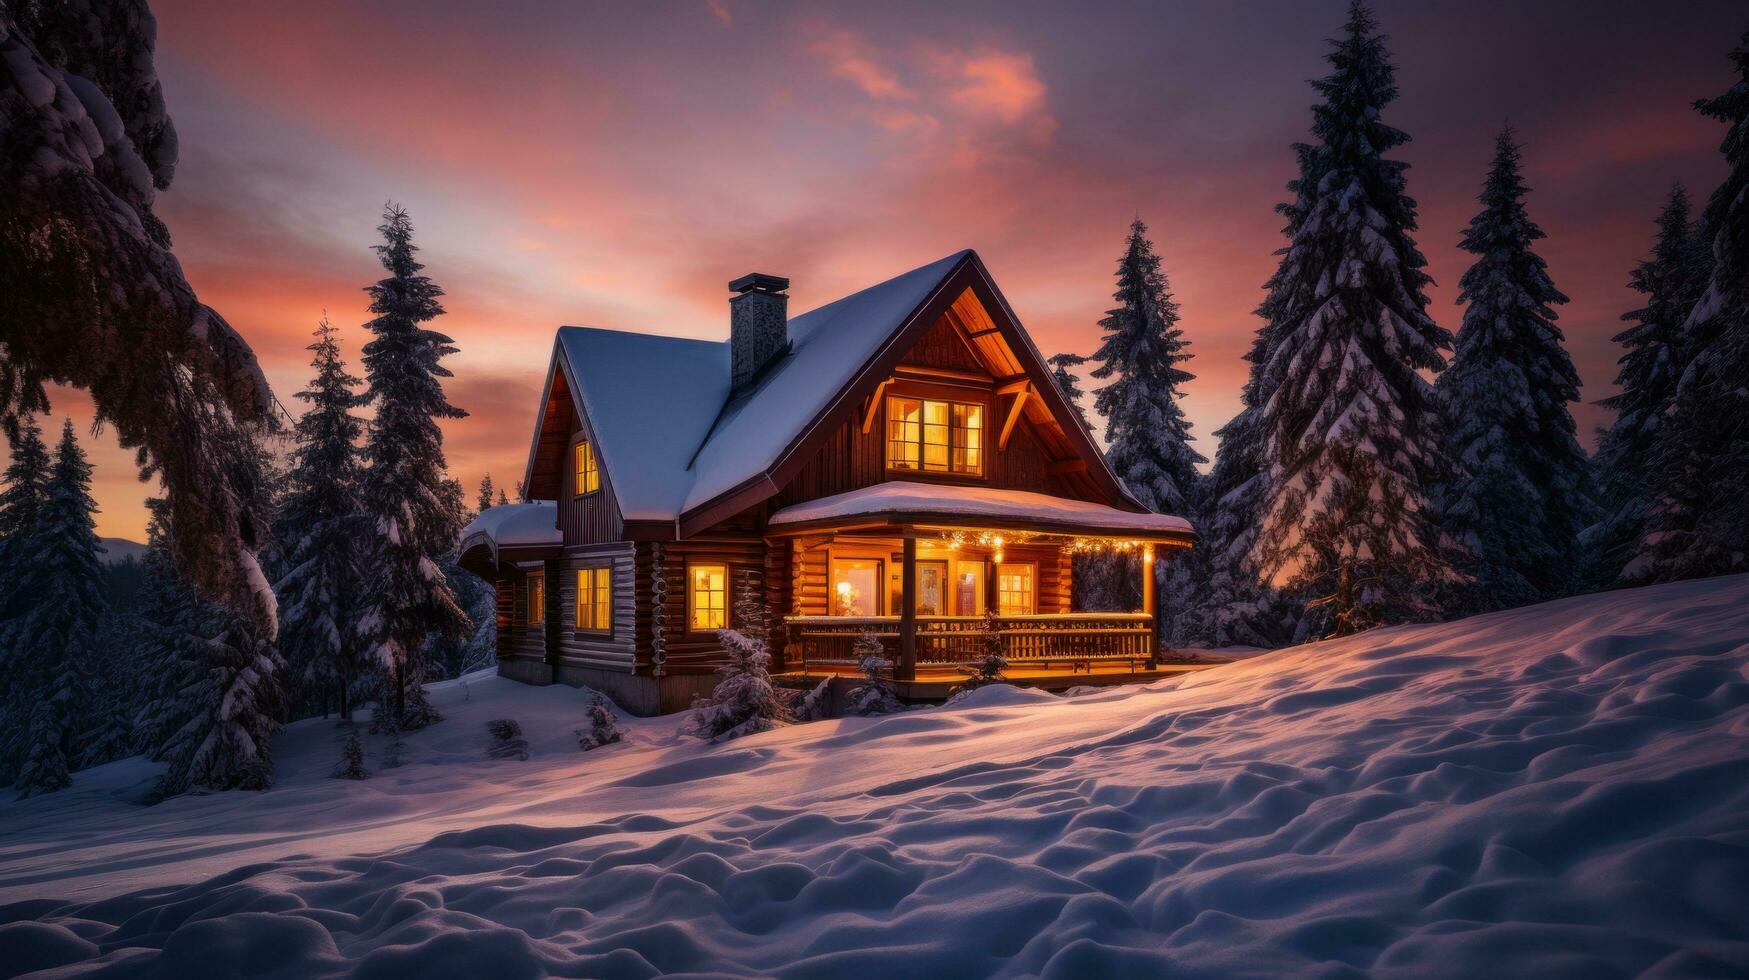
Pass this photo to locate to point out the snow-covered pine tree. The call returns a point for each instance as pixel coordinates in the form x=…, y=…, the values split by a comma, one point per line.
x=743, y=701
x=1069, y=385
x=22, y=494
x=1147, y=437
x=483, y=503
x=320, y=586
x=1699, y=519
x=93, y=296
x=168, y=640
x=232, y=701
x=351, y=764
x=1672, y=280
x=600, y=728
x=1350, y=428
x=1234, y=605
x=54, y=640
x=1520, y=492
x=413, y=511
x=874, y=696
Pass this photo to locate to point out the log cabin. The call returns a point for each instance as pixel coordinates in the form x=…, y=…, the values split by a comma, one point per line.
x=897, y=462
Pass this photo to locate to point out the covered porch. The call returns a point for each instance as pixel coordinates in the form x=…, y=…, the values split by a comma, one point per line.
x=918, y=566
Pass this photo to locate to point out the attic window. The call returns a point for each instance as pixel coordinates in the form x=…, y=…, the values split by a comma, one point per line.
x=935, y=436
x=588, y=475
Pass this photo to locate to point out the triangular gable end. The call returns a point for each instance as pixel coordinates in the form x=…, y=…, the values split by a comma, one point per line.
x=997, y=333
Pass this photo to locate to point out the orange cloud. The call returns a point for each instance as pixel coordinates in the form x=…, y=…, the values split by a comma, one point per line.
x=1004, y=84
x=847, y=57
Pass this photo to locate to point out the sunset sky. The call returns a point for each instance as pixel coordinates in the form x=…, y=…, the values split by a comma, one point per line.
x=616, y=165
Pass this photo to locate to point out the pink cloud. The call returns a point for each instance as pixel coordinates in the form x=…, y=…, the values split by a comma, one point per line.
x=1001, y=83
x=848, y=57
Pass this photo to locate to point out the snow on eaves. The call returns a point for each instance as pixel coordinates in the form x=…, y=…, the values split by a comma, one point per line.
x=961, y=502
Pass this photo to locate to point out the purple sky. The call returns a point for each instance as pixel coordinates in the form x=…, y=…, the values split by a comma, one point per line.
x=617, y=165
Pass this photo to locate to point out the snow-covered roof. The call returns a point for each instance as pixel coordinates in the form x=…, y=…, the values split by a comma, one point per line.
x=651, y=401
x=671, y=439
x=527, y=525
x=957, y=504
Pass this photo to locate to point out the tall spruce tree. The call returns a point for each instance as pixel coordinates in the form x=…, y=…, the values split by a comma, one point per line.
x=22, y=496
x=54, y=640
x=1147, y=437
x=319, y=524
x=1349, y=427
x=1521, y=493
x=1233, y=606
x=1651, y=366
x=412, y=508
x=1699, y=519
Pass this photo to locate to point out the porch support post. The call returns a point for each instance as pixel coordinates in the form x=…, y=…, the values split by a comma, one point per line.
x=1150, y=605
x=907, y=669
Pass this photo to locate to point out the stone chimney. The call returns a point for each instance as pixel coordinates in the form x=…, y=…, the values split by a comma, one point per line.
x=758, y=325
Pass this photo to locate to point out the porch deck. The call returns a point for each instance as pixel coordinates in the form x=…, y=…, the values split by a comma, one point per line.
x=935, y=683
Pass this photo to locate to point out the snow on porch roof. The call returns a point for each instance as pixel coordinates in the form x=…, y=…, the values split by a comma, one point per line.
x=927, y=503
x=529, y=525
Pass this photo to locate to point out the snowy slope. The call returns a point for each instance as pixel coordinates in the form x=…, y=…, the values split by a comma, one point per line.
x=1562, y=789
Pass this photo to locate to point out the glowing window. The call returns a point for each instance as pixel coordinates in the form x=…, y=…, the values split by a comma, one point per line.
x=935, y=436
x=856, y=587
x=537, y=598
x=707, y=597
x=1014, y=593
x=595, y=599
x=588, y=475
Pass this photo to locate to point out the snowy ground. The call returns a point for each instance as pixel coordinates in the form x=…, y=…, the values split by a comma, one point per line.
x=1559, y=790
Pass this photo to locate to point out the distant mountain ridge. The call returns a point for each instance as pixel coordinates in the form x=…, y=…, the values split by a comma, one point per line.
x=120, y=549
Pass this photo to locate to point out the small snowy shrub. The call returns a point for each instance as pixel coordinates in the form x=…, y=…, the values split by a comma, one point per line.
x=743, y=702
x=816, y=705
x=874, y=696
x=601, y=729
x=989, y=664
x=507, y=740
x=351, y=764
x=395, y=753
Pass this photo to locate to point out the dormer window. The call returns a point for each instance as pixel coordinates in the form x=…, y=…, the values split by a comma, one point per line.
x=588, y=476
x=935, y=436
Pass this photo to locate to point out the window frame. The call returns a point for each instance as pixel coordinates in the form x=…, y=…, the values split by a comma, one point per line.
x=535, y=613
x=879, y=598
x=957, y=442
x=1031, y=590
x=593, y=571
x=585, y=469
x=691, y=597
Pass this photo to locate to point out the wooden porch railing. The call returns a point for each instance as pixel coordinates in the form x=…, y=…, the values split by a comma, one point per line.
x=1067, y=640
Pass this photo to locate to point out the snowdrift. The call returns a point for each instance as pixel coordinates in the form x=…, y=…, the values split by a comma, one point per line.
x=1556, y=790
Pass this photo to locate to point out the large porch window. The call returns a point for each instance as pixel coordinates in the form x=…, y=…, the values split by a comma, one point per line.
x=856, y=587
x=1015, y=595
x=935, y=436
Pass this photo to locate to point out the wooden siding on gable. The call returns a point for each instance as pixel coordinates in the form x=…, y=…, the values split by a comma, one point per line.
x=587, y=518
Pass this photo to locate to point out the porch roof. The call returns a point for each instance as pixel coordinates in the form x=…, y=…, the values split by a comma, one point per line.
x=901, y=502
x=510, y=532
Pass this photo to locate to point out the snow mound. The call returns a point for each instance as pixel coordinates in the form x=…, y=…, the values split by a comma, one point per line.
x=1559, y=790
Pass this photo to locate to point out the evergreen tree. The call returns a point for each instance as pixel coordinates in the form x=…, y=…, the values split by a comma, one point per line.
x=1069, y=385
x=1521, y=492
x=167, y=643
x=743, y=702
x=1699, y=517
x=351, y=764
x=22, y=496
x=1147, y=437
x=232, y=702
x=1349, y=427
x=53, y=640
x=874, y=696
x=484, y=502
x=413, y=511
x=1651, y=366
x=319, y=525
x=503, y=500
x=1234, y=606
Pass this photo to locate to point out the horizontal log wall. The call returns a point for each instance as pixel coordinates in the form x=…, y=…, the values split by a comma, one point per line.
x=615, y=650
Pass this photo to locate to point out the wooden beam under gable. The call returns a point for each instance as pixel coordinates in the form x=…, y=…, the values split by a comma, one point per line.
x=1014, y=410
x=874, y=406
